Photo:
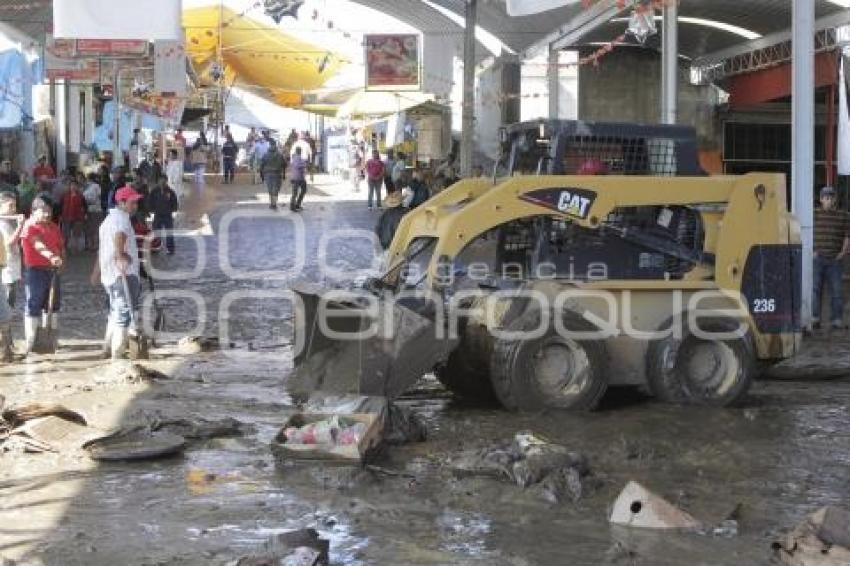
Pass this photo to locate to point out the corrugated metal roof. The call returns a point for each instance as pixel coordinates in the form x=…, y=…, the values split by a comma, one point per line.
x=762, y=16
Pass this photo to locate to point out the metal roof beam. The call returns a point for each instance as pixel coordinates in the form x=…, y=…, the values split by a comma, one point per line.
x=832, y=21
x=582, y=24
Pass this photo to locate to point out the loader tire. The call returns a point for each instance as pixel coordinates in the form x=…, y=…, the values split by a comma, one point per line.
x=466, y=372
x=696, y=371
x=552, y=371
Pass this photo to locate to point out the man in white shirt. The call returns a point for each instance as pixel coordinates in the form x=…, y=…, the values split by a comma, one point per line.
x=306, y=150
x=118, y=257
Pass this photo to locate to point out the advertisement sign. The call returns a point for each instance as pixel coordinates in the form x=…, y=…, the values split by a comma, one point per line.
x=73, y=70
x=392, y=62
x=111, y=47
x=61, y=62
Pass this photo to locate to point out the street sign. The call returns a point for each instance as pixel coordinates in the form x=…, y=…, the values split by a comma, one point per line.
x=111, y=47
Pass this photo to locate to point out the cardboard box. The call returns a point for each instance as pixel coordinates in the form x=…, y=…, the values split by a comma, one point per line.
x=351, y=454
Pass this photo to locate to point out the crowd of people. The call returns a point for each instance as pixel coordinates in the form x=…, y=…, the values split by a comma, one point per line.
x=396, y=185
x=46, y=217
x=271, y=162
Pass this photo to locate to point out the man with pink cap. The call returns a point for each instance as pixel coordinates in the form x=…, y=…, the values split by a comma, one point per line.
x=118, y=257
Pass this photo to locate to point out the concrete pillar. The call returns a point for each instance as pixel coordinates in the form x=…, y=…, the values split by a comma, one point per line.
x=60, y=121
x=803, y=139
x=553, y=83
x=670, y=64
x=88, y=116
x=75, y=121
x=467, y=143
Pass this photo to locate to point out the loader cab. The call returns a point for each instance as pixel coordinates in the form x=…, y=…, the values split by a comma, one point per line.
x=570, y=147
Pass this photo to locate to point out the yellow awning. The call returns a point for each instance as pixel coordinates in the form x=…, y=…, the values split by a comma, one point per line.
x=256, y=56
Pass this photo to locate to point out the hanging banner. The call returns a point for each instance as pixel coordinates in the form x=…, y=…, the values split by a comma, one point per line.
x=111, y=47
x=168, y=108
x=843, y=148
x=392, y=62
x=529, y=7
x=169, y=62
x=108, y=19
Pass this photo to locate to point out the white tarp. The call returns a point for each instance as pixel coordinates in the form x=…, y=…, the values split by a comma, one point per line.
x=843, y=120
x=249, y=110
x=528, y=7
x=117, y=19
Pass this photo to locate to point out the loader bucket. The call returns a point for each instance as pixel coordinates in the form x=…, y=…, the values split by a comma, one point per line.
x=402, y=347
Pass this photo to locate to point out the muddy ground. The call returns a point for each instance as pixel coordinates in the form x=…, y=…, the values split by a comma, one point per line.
x=781, y=456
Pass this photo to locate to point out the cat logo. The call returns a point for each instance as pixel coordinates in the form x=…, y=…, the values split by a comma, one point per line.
x=574, y=204
x=568, y=201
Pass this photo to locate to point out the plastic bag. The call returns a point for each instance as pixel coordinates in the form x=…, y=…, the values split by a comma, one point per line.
x=352, y=435
x=321, y=432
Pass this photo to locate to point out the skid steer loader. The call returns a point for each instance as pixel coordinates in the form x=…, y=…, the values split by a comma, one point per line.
x=542, y=288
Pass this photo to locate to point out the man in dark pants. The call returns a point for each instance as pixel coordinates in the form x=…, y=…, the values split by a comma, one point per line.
x=831, y=243
x=229, y=152
x=163, y=203
x=272, y=167
x=298, y=173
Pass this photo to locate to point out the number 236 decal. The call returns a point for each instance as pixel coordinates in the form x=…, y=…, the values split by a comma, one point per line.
x=762, y=306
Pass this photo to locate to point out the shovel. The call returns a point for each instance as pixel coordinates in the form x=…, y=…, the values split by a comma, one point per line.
x=159, y=314
x=46, y=340
x=139, y=346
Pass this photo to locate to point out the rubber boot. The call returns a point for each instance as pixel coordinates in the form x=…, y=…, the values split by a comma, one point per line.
x=31, y=325
x=6, y=354
x=119, y=343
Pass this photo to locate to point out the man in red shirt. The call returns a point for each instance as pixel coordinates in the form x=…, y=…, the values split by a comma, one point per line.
x=43, y=251
x=73, y=216
x=43, y=170
x=375, y=177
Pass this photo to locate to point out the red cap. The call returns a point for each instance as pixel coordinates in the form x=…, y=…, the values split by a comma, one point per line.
x=127, y=193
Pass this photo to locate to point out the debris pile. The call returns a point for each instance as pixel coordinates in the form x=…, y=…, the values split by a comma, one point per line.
x=38, y=428
x=333, y=430
x=132, y=373
x=201, y=429
x=563, y=475
x=822, y=539
x=295, y=548
x=350, y=437
x=190, y=345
